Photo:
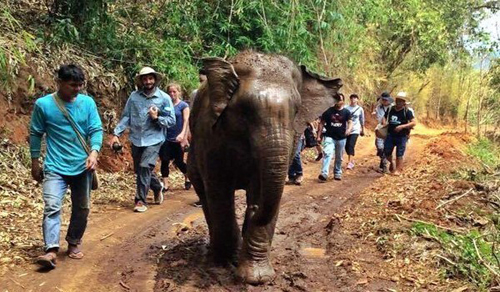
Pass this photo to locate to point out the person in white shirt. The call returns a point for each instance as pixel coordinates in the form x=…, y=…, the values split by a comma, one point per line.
x=358, y=128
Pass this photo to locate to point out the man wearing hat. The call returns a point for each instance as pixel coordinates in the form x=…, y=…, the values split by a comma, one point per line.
x=384, y=103
x=400, y=121
x=148, y=112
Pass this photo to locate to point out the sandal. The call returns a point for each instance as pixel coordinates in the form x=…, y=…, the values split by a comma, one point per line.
x=47, y=261
x=75, y=253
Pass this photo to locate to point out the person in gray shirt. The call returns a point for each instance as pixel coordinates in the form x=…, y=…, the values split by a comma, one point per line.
x=148, y=113
x=384, y=102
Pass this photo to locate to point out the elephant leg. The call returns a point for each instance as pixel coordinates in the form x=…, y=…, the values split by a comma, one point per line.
x=195, y=178
x=254, y=262
x=224, y=233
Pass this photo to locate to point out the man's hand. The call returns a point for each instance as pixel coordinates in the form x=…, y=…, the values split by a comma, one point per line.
x=184, y=143
x=399, y=128
x=319, y=138
x=112, y=140
x=362, y=133
x=36, y=170
x=179, y=138
x=91, y=162
x=153, y=112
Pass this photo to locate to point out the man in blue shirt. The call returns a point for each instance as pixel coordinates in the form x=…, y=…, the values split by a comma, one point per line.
x=148, y=112
x=67, y=163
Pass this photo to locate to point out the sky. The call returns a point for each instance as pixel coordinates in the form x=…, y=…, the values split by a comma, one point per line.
x=492, y=25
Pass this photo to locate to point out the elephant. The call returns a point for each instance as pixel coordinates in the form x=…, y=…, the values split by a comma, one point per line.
x=245, y=122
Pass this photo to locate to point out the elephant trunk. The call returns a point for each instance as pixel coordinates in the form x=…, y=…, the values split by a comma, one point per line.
x=274, y=167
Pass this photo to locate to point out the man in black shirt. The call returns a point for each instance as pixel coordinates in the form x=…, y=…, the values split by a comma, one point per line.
x=400, y=120
x=338, y=125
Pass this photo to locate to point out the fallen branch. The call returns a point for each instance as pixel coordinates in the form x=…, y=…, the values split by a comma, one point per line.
x=17, y=283
x=430, y=223
x=447, y=260
x=124, y=285
x=106, y=236
x=454, y=199
x=481, y=260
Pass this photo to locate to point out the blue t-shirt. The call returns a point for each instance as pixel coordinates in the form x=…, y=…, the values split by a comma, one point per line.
x=175, y=130
x=65, y=154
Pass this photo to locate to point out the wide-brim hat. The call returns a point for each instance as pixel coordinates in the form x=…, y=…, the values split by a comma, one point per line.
x=147, y=71
x=403, y=96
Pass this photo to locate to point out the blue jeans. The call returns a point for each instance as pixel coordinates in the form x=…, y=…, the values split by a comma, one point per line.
x=331, y=146
x=54, y=189
x=395, y=141
x=295, y=168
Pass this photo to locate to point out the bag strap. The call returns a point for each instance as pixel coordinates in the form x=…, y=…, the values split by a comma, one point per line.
x=356, y=110
x=72, y=122
x=388, y=112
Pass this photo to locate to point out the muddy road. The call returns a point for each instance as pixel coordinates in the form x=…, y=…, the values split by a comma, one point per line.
x=165, y=249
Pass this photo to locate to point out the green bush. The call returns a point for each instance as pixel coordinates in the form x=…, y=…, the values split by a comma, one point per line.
x=486, y=151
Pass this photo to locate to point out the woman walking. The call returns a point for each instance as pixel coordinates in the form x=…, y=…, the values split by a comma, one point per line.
x=358, y=128
x=176, y=138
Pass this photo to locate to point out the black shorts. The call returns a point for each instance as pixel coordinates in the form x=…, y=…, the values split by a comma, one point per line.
x=350, y=144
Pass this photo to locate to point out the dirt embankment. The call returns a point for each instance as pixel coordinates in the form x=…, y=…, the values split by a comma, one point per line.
x=37, y=78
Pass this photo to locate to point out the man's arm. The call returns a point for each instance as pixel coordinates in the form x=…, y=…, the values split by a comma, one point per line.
x=95, y=129
x=349, y=127
x=320, y=130
x=37, y=129
x=95, y=137
x=166, y=118
x=362, y=121
x=124, y=122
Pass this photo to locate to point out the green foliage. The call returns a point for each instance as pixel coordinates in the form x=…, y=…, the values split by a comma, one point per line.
x=333, y=37
x=486, y=151
x=468, y=254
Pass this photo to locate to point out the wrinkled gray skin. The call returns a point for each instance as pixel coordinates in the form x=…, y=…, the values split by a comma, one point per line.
x=245, y=123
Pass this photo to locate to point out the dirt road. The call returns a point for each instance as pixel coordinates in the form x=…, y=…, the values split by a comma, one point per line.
x=164, y=249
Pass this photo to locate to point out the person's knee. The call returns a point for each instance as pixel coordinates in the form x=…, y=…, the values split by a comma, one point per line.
x=52, y=204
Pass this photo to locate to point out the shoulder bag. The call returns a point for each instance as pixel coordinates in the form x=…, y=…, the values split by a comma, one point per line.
x=95, y=179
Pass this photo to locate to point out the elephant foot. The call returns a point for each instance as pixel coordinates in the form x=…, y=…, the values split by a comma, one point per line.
x=256, y=272
x=226, y=259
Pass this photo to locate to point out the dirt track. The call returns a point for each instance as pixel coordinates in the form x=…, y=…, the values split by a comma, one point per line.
x=165, y=248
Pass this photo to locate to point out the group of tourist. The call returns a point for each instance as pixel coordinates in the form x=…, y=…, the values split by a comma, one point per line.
x=336, y=132
x=158, y=128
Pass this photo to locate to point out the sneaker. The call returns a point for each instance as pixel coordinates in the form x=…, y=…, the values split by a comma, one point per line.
x=197, y=204
x=159, y=196
x=350, y=165
x=319, y=157
x=322, y=178
x=187, y=185
x=337, y=177
x=298, y=180
x=140, y=207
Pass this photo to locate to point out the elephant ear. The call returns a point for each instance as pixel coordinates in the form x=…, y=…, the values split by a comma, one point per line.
x=318, y=93
x=222, y=83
